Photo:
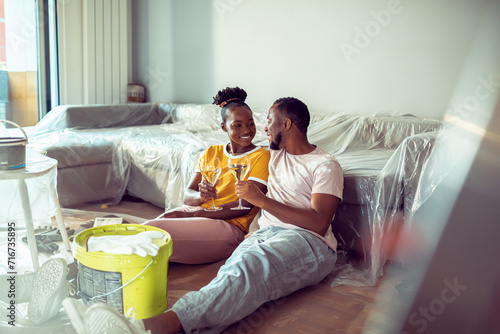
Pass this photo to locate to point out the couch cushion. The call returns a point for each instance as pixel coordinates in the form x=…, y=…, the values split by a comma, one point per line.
x=361, y=172
x=197, y=117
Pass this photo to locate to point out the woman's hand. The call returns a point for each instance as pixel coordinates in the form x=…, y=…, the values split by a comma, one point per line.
x=207, y=191
x=177, y=214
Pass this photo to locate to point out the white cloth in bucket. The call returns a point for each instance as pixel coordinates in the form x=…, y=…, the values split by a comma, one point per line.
x=140, y=243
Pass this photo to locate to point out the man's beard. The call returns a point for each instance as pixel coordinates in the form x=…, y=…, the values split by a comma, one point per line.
x=275, y=145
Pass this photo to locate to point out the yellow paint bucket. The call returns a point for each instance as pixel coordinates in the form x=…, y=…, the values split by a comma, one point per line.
x=123, y=282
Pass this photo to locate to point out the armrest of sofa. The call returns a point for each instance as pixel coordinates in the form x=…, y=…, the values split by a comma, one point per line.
x=104, y=116
x=408, y=165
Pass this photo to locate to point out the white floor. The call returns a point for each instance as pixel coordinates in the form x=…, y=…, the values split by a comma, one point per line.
x=57, y=325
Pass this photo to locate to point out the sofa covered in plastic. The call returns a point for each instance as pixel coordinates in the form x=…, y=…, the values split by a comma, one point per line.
x=149, y=151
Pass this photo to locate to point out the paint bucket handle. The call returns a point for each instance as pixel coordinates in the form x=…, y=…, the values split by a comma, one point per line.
x=20, y=128
x=124, y=285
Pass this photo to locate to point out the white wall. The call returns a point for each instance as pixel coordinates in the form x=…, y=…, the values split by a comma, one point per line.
x=70, y=50
x=335, y=55
x=152, y=55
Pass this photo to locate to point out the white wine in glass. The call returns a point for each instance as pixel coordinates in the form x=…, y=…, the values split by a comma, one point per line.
x=210, y=170
x=239, y=167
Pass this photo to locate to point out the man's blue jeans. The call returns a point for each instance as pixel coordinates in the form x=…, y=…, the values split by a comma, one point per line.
x=270, y=264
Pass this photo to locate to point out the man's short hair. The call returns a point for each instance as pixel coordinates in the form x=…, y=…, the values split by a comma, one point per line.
x=296, y=110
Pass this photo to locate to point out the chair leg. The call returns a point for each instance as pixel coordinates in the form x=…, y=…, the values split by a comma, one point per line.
x=59, y=217
x=28, y=217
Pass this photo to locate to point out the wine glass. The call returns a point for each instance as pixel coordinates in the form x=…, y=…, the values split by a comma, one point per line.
x=239, y=167
x=210, y=170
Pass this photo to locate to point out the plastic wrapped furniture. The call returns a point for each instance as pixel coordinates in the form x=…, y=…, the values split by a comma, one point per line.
x=150, y=151
x=85, y=141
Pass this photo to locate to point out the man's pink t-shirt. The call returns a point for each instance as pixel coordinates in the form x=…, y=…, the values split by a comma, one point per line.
x=294, y=178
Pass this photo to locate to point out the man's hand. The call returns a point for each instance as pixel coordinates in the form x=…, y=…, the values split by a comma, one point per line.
x=250, y=192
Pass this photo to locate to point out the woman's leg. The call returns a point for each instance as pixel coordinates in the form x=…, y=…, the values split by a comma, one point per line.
x=200, y=240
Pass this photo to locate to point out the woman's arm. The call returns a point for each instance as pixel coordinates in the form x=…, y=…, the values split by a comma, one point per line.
x=198, y=191
x=204, y=194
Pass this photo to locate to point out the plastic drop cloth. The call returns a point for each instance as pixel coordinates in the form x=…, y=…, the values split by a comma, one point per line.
x=39, y=174
x=401, y=181
x=150, y=151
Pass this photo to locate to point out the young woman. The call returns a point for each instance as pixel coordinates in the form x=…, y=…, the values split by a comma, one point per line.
x=201, y=236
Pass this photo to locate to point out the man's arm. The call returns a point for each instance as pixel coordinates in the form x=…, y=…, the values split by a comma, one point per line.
x=316, y=218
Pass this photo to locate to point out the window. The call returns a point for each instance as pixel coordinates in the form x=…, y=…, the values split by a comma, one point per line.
x=28, y=66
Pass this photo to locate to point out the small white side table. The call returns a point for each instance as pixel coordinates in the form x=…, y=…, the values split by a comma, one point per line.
x=43, y=171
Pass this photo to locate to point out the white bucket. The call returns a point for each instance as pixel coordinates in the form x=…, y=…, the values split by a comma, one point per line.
x=13, y=150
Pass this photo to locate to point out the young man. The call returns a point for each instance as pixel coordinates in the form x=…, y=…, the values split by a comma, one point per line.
x=293, y=248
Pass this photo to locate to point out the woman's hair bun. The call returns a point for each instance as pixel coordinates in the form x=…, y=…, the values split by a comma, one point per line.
x=228, y=94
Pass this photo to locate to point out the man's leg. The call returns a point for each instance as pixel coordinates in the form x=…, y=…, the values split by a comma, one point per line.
x=270, y=264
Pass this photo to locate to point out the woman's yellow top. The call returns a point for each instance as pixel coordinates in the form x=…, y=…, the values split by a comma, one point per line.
x=259, y=160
